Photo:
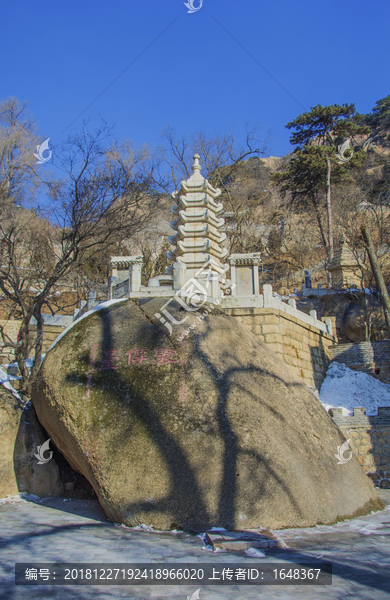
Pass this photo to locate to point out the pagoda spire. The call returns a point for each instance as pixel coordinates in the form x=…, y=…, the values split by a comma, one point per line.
x=198, y=238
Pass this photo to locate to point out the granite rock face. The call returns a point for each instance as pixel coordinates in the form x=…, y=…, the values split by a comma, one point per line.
x=214, y=430
x=43, y=480
x=10, y=413
x=353, y=321
x=20, y=435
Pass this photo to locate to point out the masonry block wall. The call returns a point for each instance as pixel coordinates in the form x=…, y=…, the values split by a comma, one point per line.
x=50, y=333
x=304, y=347
x=370, y=441
x=11, y=328
x=370, y=357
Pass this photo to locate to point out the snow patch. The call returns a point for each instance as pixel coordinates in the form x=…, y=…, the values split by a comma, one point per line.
x=255, y=553
x=20, y=498
x=5, y=381
x=347, y=389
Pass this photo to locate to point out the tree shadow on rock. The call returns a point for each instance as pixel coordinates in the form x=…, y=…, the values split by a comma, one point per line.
x=184, y=498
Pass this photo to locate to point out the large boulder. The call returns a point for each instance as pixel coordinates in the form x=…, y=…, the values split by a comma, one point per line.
x=43, y=480
x=10, y=412
x=353, y=321
x=21, y=434
x=214, y=430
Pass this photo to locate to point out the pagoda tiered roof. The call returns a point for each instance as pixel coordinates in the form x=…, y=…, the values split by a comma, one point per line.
x=198, y=237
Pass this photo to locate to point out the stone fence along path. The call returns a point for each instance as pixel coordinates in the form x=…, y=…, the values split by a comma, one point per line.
x=268, y=300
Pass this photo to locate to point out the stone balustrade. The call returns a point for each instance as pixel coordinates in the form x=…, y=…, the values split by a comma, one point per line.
x=268, y=300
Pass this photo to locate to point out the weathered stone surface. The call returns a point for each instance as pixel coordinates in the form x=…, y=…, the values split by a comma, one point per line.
x=20, y=434
x=225, y=436
x=353, y=321
x=10, y=413
x=43, y=480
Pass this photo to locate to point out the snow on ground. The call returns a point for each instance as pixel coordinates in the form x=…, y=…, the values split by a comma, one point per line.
x=4, y=375
x=20, y=498
x=376, y=523
x=28, y=362
x=343, y=387
x=5, y=380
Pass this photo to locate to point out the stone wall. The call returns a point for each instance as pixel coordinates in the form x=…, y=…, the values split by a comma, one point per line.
x=302, y=346
x=11, y=328
x=370, y=357
x=50, y=333
x=370, y=440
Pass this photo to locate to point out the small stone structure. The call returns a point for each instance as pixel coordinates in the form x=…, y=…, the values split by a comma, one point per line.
x=197, y=252
x=125, y=276
x=50, y=333
x=344, y=268
x=372, y=358
x=198, y=239
x=345, y=274
x=370, y=441
x=244, y=274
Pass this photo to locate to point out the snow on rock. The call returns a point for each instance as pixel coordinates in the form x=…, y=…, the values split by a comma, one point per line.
x=347, y=389
x=95, y=309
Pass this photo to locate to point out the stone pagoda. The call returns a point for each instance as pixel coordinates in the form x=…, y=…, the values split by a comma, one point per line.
x=198, y=238
x=344, y=268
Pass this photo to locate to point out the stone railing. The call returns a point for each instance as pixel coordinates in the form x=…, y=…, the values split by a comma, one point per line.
x=121, y=290
x=268, y=300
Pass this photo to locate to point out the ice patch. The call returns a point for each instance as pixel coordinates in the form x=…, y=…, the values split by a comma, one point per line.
x=206, y=546
x=255, y=553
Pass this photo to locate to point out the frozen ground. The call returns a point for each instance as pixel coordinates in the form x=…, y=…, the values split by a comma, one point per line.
x=348, y=389
x=77, y=531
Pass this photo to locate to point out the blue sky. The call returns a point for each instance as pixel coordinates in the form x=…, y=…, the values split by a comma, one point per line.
x=61, y=55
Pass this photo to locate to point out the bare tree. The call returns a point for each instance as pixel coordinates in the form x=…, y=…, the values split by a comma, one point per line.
x=224, y=162
x=362, y=222
x=105, y=196
x=18, y=136
x=380, y=282
x=221, y=155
